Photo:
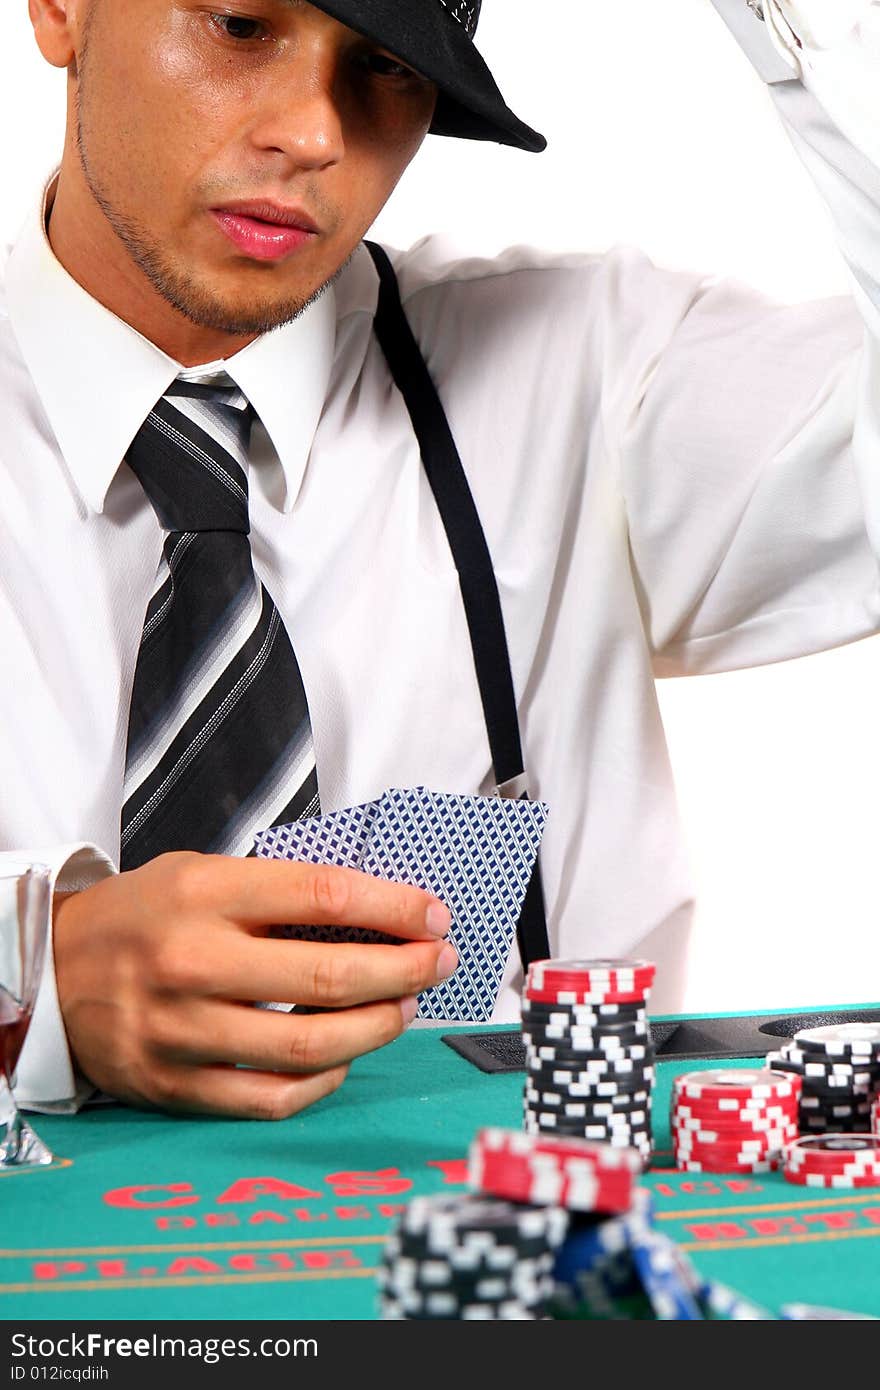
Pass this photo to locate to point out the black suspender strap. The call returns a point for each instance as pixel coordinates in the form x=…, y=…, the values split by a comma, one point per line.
x=467, y=542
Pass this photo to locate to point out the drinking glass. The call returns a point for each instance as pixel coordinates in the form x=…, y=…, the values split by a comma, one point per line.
x=25, y=905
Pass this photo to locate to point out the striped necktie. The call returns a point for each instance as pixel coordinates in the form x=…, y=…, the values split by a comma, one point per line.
x=219, y=739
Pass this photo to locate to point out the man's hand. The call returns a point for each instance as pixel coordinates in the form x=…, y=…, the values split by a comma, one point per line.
x=158, y=969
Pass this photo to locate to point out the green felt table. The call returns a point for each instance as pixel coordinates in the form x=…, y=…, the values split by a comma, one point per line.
x=152, y=1217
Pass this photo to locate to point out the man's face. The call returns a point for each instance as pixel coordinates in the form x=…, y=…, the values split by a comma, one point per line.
x=200, y=130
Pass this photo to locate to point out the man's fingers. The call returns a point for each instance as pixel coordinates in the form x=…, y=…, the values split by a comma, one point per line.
x=266, y=892
x=247, y=1095
x=330, y=975
x=271, y=1041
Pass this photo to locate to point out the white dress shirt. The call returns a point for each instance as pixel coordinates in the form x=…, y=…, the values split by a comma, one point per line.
x=673, y=474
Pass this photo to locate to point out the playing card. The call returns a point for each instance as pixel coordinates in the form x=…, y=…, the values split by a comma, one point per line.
x=475, y=853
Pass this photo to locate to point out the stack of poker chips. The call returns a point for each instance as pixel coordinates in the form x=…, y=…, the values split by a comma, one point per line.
x=733, y=1121
x=834, y=1160
x=840, y=1070
x=551, y=1228
x=589, y=1057
x=471, y=1258
x=612, y=1263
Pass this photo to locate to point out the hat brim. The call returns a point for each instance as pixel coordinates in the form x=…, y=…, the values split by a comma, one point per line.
x=469, y=104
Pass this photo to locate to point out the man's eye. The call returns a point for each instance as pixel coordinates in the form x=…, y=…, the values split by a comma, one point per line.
x=386, y=66
x=234, y=26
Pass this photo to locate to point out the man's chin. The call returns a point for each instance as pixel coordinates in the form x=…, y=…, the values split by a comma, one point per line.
x=242, y=317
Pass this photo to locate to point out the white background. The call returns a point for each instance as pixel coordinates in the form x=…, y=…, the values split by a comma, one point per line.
x=661, y=136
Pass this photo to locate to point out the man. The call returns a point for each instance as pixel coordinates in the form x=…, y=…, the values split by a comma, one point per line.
x=664, y=470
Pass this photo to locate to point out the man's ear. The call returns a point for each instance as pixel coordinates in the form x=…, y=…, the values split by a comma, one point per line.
x=56, y=24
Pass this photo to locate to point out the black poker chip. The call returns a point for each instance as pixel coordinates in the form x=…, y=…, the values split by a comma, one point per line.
x=841, y=1040
x=621, y=1103
x=582, y=1083
x=608, y=1012
x=432, y=1276
x=555, y=1096
x=834, y=1125
x=603, y=1059
x=586, y=1039
x=815, y=1068
x=834, y=1095
x=811, y=1100
x=551, y=1123
x=394, y=1309
x=640, y=1119
x=581, y=1016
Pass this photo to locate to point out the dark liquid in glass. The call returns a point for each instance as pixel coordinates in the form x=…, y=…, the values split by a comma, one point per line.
x=14, y=1020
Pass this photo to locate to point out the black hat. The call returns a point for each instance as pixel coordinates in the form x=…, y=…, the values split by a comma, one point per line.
x=436, y=38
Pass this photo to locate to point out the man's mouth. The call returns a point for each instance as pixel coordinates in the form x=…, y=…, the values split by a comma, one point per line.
x=265, y=231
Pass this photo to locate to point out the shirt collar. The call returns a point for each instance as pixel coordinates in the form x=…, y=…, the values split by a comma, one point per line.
x=98, y=378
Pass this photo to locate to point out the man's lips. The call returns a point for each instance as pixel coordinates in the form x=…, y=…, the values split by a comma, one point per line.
x=265, y=231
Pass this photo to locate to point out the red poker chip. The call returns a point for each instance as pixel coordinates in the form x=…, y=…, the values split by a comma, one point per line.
x=713, y=1153
x=691, y=1124
x=721, y=1165
x=833, y=1180
x=741, y=1143
x=737, y=1083
x=686, y=1137
x=584, y=996
x=711, y=1114
x=830, y=1172
x=830, y=1153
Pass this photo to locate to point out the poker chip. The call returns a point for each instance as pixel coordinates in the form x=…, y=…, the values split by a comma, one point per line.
x=733, y=1121
x=555, y=1098
x=604, y=1068
x=843, y=1160
x=818, y=1064
x=602, y=1059
x=599, y=1038
x=844, y=1040
x=829, y=1151
x=725, y=1165
x=612, y=1016
x=736, y=1083
x=759, y=1125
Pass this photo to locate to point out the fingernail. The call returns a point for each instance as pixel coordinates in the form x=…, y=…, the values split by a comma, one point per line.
x=409, y=1008
x=438, y=918
x=447, y=962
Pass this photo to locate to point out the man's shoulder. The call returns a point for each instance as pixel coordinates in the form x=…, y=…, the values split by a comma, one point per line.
x=443, y=284
x=440, y=264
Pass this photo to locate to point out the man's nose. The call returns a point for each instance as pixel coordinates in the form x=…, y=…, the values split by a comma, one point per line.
x=303, y=120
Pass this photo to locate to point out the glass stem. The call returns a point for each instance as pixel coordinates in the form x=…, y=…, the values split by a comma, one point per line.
x=19, y=1146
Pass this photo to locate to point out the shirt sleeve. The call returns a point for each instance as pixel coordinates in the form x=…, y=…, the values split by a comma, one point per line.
x=46, y=1079
x=749, y=462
